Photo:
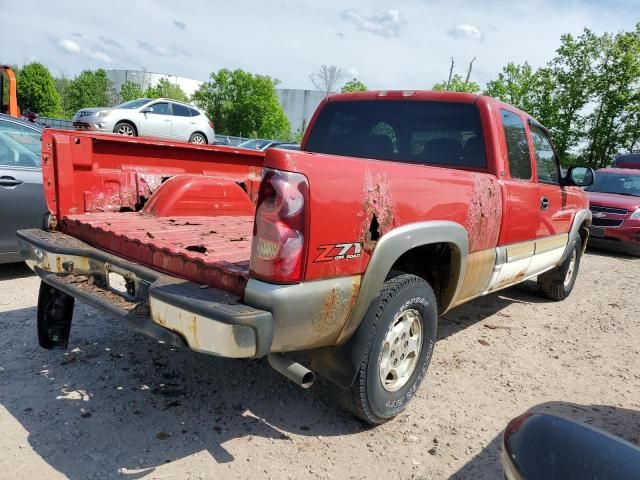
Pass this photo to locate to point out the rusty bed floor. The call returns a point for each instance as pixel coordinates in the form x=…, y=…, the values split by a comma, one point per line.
x=210, y=250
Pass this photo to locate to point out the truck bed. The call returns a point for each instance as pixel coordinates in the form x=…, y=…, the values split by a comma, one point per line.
x=213, y=250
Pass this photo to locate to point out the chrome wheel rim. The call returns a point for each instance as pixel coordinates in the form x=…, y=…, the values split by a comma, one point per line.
x=199, y=139
x=125, y=130
x=570, y=270
x=400, y=350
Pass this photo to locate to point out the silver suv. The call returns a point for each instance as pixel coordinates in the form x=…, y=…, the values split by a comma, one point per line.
x=158, y=117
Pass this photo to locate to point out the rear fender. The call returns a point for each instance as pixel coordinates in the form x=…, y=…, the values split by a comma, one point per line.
x=340, y=364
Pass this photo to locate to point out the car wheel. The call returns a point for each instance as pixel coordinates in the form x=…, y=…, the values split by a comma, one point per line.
x=125, y=128
x=402, y=325
x=198, y=138
x=558, y=283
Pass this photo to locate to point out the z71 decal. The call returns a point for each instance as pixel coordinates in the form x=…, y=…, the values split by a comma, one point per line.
x=339, y=251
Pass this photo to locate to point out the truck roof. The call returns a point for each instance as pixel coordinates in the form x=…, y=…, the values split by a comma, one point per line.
x=425, y=95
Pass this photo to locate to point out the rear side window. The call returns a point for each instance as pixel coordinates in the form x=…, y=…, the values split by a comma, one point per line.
x=423, y=132
x=19, y=145
x=517, y=146
x=180, y=110
x=194, y=112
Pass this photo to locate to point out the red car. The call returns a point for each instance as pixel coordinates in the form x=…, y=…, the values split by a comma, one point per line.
x=615, y=206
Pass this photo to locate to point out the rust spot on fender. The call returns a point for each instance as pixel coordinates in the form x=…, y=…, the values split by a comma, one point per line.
x=378, y=209
x=335, y=311
x=484, y=216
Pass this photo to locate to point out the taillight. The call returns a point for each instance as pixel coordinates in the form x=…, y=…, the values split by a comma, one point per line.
x=278, y=249
x=211, y=125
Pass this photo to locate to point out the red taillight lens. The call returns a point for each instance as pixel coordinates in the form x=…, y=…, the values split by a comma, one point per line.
x=212, y=125
x=279, y=249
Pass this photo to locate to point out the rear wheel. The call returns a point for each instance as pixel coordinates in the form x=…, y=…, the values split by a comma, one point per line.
x=402, y=331
x=125, y=128
x=558, y=283
x=198, y=138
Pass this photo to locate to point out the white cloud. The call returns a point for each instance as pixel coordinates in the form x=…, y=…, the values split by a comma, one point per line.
x=466, y=30
x=179, y=24
x=353, y=72
x=385, y=24
x=72, y=47
x=170, y=51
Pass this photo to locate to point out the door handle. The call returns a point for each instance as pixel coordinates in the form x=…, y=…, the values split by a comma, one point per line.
x=167, y=120
x=9, y=182
x=544, y=203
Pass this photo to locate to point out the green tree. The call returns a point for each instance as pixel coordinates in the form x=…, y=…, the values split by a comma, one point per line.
x=613, y=126
x=89, y=89
x=457, y=84
x=37, y=91
x=165, y=89
x=241, y=103
x=354, y=85
x=130, y=91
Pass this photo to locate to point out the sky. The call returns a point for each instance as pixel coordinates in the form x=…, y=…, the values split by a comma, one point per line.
x=402, y=44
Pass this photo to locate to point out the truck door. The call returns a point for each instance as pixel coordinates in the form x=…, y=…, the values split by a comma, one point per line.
x=520, y=219
x=554, y=213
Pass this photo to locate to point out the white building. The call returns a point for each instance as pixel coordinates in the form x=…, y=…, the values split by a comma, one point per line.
x=298, y=105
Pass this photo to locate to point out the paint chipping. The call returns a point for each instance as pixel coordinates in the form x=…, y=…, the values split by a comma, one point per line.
x=485, y=213
x=378, y=208
x=334, y=313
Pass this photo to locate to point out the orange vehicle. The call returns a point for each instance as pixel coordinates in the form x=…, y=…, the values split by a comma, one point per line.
x=8, y=104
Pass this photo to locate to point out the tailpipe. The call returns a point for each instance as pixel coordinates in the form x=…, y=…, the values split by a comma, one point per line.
x=292, y=370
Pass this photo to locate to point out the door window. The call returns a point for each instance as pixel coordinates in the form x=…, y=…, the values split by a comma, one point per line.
x=161, y=108
x=517, y=145
x=180, y=110
x=19, y=145
x=546, y=161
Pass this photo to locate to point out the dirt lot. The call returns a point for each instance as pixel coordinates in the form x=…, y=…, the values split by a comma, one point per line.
x=119, y=405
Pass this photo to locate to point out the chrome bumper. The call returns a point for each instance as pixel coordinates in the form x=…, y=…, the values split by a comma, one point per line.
x=169, y=309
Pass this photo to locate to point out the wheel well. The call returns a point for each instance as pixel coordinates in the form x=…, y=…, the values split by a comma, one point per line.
x=437, y=263
x=584, y=235
x=201, y=133
x=129, y=122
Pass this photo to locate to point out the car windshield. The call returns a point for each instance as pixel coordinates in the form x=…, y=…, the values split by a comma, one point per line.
x=131, y=104
x=619, y=183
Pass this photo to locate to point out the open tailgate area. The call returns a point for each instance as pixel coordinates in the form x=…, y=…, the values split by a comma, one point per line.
x=181, y=209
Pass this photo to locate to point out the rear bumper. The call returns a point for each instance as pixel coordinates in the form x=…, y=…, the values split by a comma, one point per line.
x=169, y=309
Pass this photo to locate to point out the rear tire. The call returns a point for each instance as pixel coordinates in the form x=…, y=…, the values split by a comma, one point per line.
x=125, y=128
x=558, y=283
x=198, y=138
x=402, y=326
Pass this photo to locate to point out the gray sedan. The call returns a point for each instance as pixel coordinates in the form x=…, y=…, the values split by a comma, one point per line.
x=22, y=202
x=160, y=117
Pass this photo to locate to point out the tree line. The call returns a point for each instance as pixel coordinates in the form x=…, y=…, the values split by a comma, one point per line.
x=587, y=95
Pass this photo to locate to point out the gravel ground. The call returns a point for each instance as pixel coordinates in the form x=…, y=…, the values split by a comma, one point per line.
x=119, y=405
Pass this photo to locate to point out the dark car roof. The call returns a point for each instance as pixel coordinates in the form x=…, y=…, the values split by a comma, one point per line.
x=19, y=121
x=628, y=171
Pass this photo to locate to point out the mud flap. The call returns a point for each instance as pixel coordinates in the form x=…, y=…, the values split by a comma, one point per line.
x=55, y=311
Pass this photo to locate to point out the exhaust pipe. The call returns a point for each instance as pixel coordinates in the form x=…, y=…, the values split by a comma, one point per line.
x=292, y=370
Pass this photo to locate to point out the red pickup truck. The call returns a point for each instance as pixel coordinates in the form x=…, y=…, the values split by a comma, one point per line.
x=400, y=206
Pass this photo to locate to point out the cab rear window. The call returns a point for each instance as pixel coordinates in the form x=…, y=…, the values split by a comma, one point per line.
x=422, y=132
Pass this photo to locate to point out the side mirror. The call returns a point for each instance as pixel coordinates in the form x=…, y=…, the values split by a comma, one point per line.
x=580, y=176
x=147, y=110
